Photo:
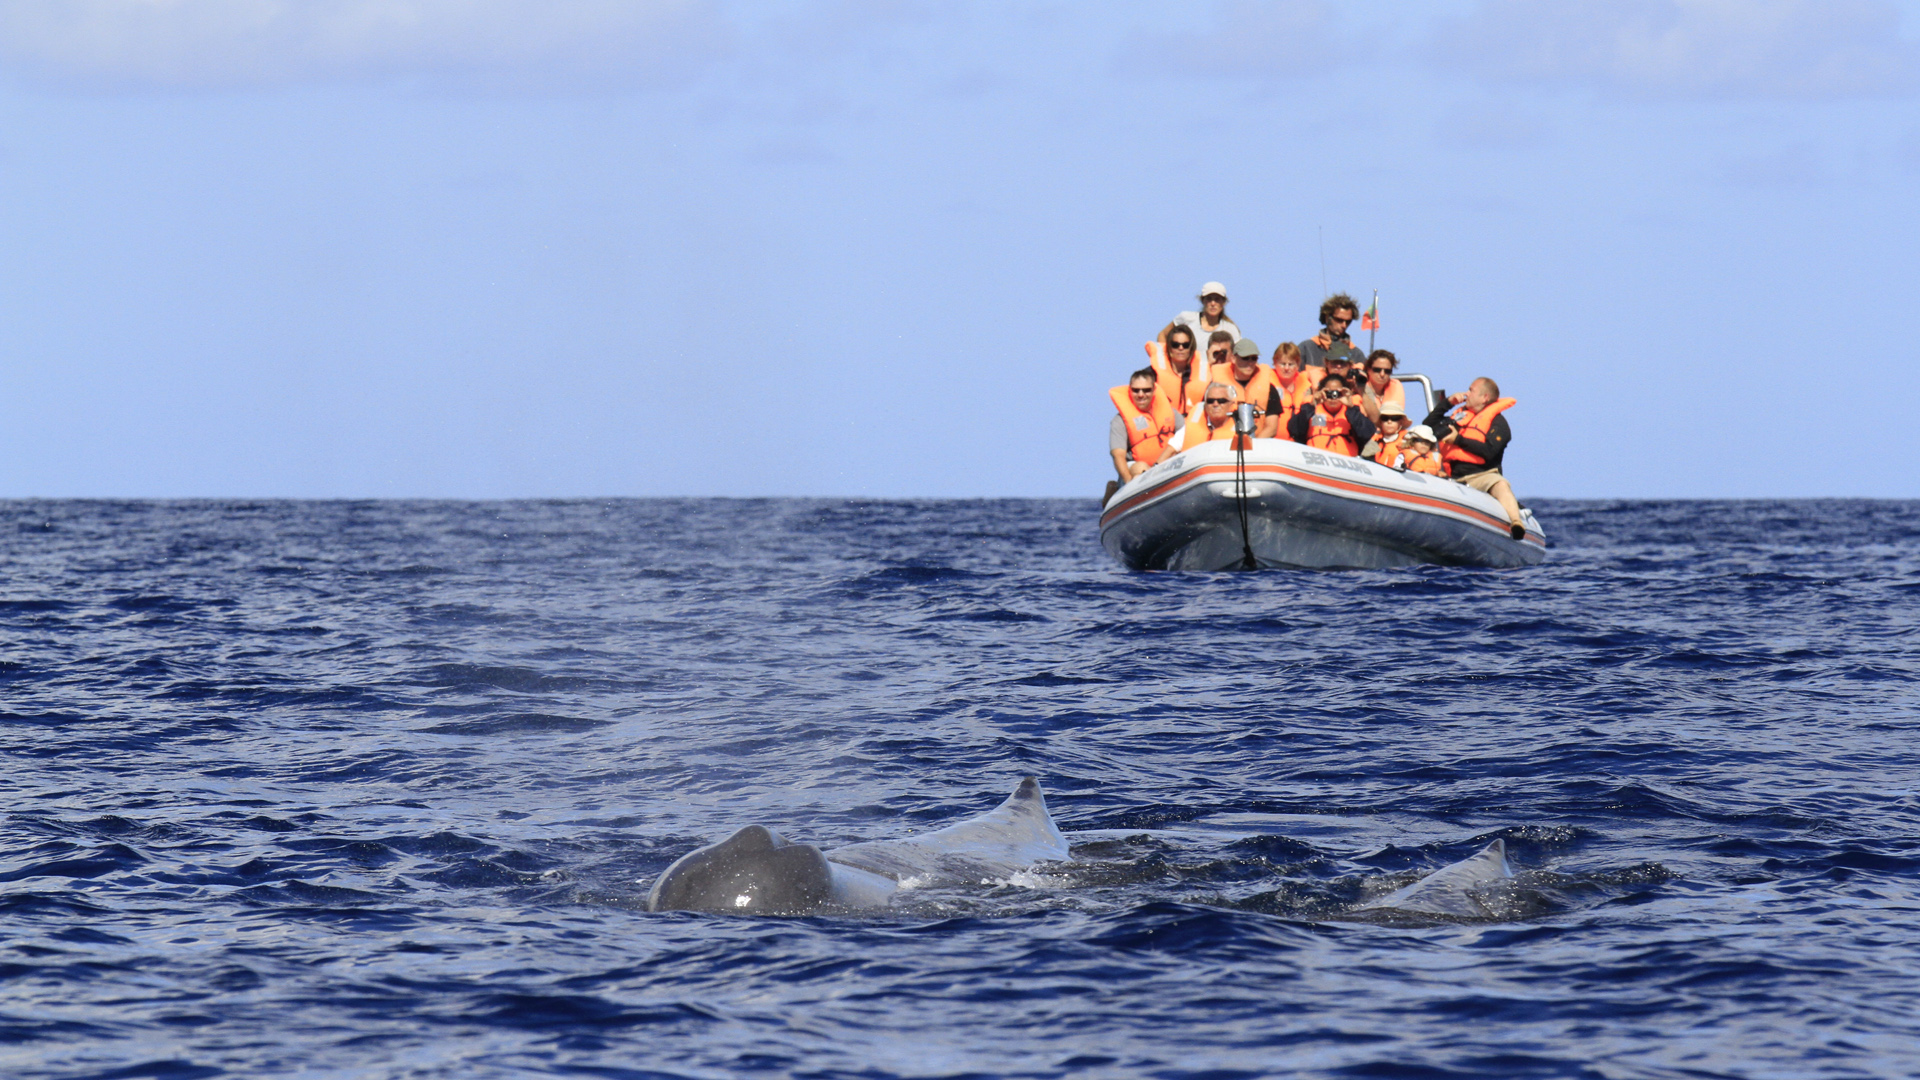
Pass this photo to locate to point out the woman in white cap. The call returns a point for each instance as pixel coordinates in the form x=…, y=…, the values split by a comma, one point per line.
x=1211, y=316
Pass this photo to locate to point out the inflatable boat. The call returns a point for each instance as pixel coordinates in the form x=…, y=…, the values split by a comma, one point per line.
x=1281, y=504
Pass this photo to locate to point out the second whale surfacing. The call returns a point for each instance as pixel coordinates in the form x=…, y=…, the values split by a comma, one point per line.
x=757, y=872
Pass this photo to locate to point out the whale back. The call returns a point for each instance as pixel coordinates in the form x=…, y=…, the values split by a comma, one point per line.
x=1016, y=834
x=753, y=871
x=1449, y=890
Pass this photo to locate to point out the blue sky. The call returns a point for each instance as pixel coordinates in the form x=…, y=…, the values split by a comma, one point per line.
x=506, y=248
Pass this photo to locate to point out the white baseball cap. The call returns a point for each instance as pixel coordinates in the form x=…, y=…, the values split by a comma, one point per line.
x=1213, y=288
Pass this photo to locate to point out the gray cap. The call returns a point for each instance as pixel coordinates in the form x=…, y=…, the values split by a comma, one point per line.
x=1245, y=347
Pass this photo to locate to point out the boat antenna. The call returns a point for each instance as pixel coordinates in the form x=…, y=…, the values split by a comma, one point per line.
x=1323, y=259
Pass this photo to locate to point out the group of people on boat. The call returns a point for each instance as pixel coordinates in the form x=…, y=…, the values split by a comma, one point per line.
x=1323, y=392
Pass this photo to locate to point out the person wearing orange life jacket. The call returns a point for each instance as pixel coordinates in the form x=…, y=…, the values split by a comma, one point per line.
x=1419, y=455
x=1219, y=349
x=1138, y=436
x=1213, y=421
x=1350, y=373
x=1331, y=423
x=1381, y=387
x=1474, y=443
x=1388, y=446
x=1296, y=385
x=1251, y=381
x=1181, y=381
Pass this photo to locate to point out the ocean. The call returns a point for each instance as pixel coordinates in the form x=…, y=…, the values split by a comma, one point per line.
x=377, y=789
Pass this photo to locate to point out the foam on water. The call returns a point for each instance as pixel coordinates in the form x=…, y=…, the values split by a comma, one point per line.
x=378, y=789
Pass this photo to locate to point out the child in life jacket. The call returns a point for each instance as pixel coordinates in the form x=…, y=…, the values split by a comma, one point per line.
x=1388, y=444
x=1417, y=454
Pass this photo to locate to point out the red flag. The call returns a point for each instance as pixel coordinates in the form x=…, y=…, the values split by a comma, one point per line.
x=1371, y=320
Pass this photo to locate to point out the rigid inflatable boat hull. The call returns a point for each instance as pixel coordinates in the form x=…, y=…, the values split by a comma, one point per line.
x=1305, y=508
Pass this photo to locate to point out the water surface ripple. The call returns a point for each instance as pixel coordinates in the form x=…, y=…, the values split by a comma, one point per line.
x=377, y=788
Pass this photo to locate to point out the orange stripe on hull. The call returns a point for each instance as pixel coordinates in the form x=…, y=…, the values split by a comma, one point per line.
x=1203, y=471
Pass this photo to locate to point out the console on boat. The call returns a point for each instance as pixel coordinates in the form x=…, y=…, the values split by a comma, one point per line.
x=1284, y=504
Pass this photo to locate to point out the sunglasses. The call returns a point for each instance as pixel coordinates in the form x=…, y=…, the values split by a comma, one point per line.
x=1179, y=344
x=1141, y=389
x=1381, y=370
x=1219, y=401
x=1339, y=318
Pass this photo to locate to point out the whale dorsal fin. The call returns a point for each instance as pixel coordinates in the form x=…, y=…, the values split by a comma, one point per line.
x=1016, y=834
x=1020, y=822
x=1449, y=890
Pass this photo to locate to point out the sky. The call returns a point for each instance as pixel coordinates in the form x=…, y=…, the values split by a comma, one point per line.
x=578, y=248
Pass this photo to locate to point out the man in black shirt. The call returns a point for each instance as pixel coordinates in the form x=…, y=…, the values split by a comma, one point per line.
x=1336, y=315
x=1329, y=423
x=1475, y=436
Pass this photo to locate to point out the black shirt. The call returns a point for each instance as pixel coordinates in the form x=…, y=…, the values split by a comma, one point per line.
x=1312, y=355
x=1300, y=428
x=1494, y=450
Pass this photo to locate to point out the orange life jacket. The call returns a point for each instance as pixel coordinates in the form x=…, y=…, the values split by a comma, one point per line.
x=1391, y=451
x=1333, y=433
x=1254, y=391
x=1198, y=432
x=1181, y=394
x=1475, y=425
x=1428, y=463
x=1293, y=396
x=1396, y=394
x=1147, y=433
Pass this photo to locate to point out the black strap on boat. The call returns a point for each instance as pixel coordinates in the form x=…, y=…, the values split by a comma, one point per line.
x=1243, y=434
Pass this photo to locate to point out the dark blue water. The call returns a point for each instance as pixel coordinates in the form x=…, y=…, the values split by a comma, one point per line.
x=377, y=789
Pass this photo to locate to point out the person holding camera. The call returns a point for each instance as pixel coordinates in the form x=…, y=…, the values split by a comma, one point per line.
x=1473, y=442
x=1331, y=423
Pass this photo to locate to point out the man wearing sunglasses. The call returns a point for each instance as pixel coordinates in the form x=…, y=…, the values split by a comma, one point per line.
x=1249, y=380
x=1330, y=423
x=1215, y=419
x=1138, y=436
x=1336, y=315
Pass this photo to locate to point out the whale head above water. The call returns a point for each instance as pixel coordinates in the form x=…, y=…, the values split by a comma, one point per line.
x=756, y=872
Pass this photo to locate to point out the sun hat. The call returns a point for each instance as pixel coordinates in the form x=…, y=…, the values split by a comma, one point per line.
x=1388, y=408
x=1213, y=288
x=1245, y=347
x=1421, y=432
